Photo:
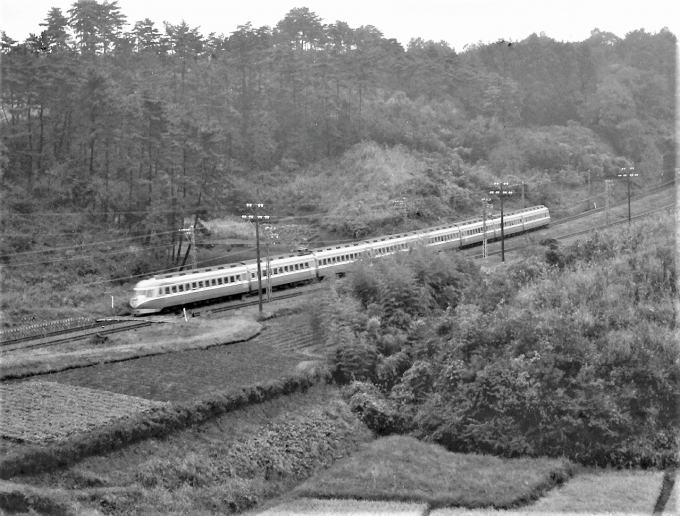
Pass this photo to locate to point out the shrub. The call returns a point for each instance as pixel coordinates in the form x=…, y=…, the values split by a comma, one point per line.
x=354, y=359
x=372, y=408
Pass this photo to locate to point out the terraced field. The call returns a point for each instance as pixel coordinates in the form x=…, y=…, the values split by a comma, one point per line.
x=183, y=376
x=39, y=411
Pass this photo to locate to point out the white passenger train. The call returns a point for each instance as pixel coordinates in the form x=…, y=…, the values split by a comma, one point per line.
x=177, y=289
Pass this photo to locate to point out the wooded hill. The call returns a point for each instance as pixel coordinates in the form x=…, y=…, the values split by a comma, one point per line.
x=109, y=126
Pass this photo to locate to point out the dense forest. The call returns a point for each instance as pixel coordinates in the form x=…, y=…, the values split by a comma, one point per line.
x=133, y=128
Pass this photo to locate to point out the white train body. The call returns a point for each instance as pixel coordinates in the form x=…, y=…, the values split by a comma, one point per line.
x=177, y=289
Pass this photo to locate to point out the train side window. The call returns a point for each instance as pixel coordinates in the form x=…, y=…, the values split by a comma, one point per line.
x=231, y=279
x=174, y=289
x=219, y=280
x=238, y=277
x=180, y=288
x=200, y=284
x=253, y=275
x=167, y=290
x=193, y=285
x=286, y=268
x=306, y=265
x=297, y=266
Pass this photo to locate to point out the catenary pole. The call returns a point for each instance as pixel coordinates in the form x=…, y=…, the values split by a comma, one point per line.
x=257, y=219
x=500, y=194
x=628, y=174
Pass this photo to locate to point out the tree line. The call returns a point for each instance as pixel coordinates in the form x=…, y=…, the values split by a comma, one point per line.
x=142, y=124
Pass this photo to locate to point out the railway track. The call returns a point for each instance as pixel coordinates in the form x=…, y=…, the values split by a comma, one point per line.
x=100, y=328
x=616, y=204
x=581, y=232
x=103, y=327
x=42, y=335
x=213, y=309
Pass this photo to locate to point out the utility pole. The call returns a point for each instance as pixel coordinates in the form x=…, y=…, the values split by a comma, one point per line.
x=192, y=245
x=628, y=175
x=500, y=193
x=523, y=205
x=607, y=184
x=257, y=219
x=268, y=267
x=485, y=208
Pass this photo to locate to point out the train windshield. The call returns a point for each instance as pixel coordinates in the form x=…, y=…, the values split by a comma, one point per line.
x=145, y=293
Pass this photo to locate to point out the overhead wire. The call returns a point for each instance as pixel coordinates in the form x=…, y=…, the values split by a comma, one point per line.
x=164, y=246
x=161, y=271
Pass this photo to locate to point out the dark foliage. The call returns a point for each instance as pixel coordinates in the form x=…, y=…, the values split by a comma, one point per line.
x=572, y=356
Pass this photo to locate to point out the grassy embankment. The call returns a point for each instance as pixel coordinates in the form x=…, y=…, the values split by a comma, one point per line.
x=173, y=336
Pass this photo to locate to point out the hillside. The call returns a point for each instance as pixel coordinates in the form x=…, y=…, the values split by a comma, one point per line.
x=115, y=136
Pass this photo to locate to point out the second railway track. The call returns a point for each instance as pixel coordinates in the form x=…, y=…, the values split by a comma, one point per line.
x=103, y=327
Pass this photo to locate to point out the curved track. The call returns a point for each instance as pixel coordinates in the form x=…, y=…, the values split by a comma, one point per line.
x=581, y=232
x=588, y=213
x=100, y=328
x=37, y=336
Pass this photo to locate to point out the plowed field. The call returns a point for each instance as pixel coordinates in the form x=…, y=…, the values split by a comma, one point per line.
x=182, y=376
x=38, y=411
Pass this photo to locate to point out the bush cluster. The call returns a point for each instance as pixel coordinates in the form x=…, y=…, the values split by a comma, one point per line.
x=573, y=357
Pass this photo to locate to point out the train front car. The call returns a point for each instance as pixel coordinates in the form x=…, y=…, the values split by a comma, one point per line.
x=143, y=301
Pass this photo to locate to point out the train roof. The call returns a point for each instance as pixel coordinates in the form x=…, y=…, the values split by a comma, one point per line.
x=202, y=270
x=323, y=250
